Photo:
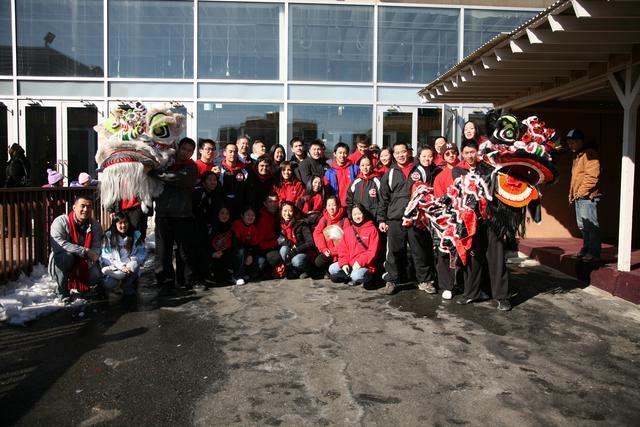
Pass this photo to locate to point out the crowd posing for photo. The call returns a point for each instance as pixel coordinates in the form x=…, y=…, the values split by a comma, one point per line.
x=243, y=213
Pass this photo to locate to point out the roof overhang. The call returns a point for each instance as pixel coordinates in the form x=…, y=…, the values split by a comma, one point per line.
x=567, y=50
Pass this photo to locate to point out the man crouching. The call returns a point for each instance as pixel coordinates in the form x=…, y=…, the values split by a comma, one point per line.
x=76, y=240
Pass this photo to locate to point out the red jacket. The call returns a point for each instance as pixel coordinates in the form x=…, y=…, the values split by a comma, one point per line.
x=322, y=243
x=339, y=178
x=443, y=180
x=311, y=204
x=203, y=167
x=381, y=170
x=363, y=251
x=289, y=191
x=355, y=157
x=246, y=235
x=268, y=230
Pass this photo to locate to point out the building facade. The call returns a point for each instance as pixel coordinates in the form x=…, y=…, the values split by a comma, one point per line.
x=269, y=69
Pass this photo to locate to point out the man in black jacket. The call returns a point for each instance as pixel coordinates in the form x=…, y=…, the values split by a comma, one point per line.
x=395, y=192
x=314, y=164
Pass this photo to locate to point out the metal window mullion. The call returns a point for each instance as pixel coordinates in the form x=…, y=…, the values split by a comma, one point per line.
x=14, y=70
x=284, y=76
x=461, y=35
x=194, y=106
x=105, y=52
x=374, y=76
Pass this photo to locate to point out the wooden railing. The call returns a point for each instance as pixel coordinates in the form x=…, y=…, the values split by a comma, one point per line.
x=26, y=215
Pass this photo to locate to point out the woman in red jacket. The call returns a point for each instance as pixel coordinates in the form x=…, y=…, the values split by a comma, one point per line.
x=246, y=238
x=287, y=186
x=328, y=232
x=357, y=251
x=311, y=203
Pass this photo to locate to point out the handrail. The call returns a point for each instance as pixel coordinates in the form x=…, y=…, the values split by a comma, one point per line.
x=26, y=215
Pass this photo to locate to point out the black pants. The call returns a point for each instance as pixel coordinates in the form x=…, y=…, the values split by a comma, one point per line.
x=323, y=262
x=421, y=248
x=487, y=252
x=446, y=275
x=170, y=230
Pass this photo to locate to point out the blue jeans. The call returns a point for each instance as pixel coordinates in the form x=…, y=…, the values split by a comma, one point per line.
x=587, y=219
x=360, y=275
x=299, y=261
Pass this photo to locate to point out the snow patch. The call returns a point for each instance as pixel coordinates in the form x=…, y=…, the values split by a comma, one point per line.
x=31, y=297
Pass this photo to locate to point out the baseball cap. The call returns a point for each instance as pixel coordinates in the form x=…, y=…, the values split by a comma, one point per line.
x=574, y=134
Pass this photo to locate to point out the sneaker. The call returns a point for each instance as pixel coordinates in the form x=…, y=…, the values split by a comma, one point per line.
x=447, y=295
x=427, y=287
x=240, y=282
x=590, y=258
x=390, y=288
x=504, y=305
x=304, y=276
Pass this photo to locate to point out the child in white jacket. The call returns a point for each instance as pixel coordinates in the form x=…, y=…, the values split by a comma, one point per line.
x=123, y=254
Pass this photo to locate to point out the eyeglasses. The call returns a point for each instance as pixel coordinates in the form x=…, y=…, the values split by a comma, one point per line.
x=450, y=153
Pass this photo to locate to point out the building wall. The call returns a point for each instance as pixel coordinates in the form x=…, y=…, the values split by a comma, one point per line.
x=603, y=127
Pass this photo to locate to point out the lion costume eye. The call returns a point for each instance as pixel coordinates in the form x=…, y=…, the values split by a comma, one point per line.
x=159, y=126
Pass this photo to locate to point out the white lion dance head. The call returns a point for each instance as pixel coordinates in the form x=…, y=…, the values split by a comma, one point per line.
x=132, y=141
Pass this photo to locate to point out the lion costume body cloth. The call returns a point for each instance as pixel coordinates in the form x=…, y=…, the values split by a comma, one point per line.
x=133, y=144
x=512, y=165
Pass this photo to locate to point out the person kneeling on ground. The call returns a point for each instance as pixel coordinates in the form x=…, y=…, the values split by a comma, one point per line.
x=221, y=247
x=357, y=251
x=76, y=239
x=328, y=233
x=296, y=243
x=246, y=238
x=123, y=254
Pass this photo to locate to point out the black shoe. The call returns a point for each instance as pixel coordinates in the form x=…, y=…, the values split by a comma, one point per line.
x=389, y=289
x=339, y=277
x=504, y=305
x=464, y=301
x=304, y=275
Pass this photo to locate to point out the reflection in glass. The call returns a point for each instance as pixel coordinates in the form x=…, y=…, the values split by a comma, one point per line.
x=40, y=123
x=332, y=123
x=82, y=140
x=429, y=125
x=5, y=37
x=238, y=40
x=482, y=25
x=59, y=38
x=415, y=45
x=4, y=142
x=396, y=127
x=330, y=43
x=226, y=122
x=151, y=38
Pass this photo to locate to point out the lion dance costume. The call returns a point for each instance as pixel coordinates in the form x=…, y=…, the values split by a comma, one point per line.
x=134, y=144
x=506, y=183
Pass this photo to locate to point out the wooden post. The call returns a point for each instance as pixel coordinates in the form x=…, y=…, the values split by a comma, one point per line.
x=628, y=97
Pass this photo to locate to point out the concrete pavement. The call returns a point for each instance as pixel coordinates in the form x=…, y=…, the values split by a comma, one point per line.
x=313, y=353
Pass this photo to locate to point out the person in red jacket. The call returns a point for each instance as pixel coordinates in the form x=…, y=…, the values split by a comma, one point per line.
x=267, y=224
x=384, y=162
x=207, y=150
x=342, y=172
x=327, y=234
x=287, y=186
x=297, y=243
x=361, y=148
x=246, y=238
x=313, y=199
x=445, y=178
x=357, y=251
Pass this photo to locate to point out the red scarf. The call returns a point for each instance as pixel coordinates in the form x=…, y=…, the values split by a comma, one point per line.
x=79, y=277
x=233, y=169
x=179, y=165
x=288, y=231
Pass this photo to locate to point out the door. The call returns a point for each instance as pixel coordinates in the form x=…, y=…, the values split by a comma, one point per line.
x=7, y=112
x=416, y=126
x=59, y=135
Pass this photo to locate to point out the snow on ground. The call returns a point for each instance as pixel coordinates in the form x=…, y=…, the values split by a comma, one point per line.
x=30, y=297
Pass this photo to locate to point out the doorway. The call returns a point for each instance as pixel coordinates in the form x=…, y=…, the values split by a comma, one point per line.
x=417, y=126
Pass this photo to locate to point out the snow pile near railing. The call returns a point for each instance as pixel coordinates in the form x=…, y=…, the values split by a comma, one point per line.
x=30, y=297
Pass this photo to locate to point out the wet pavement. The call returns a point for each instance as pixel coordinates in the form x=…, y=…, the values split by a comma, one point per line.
x=310, y=352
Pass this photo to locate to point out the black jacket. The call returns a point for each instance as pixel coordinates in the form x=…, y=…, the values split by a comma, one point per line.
x=235, y=186
x=427, y=175
x=176, y=200
x=367, y=193
x=18, y=170
x=395, y=192
x=310, y=167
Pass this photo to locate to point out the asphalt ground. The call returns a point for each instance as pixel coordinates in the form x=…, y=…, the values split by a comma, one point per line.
x=307, y=352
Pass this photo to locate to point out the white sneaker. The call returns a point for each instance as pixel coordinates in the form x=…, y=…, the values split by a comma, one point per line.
x=447, y=294
x=240, y=282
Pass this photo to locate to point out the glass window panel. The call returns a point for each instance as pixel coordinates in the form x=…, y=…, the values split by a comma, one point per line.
x=330, y=43
x=234, y=91
x=482, y=25
x=40, y=123
x=396, y=127
x=332, y=123
x=82, y=141
x=416, y=44
x=160, y=90
x=6, y=87
x=429, y=125
x=151, y=38
x=226, y=122
x=331, y=93
x=4, y=140
x=238, y=40
x=38, y=88
x=5, y=38
x=60, y=38
x=398, y=95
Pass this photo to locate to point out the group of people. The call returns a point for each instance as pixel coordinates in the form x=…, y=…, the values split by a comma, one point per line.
x=251, y=214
